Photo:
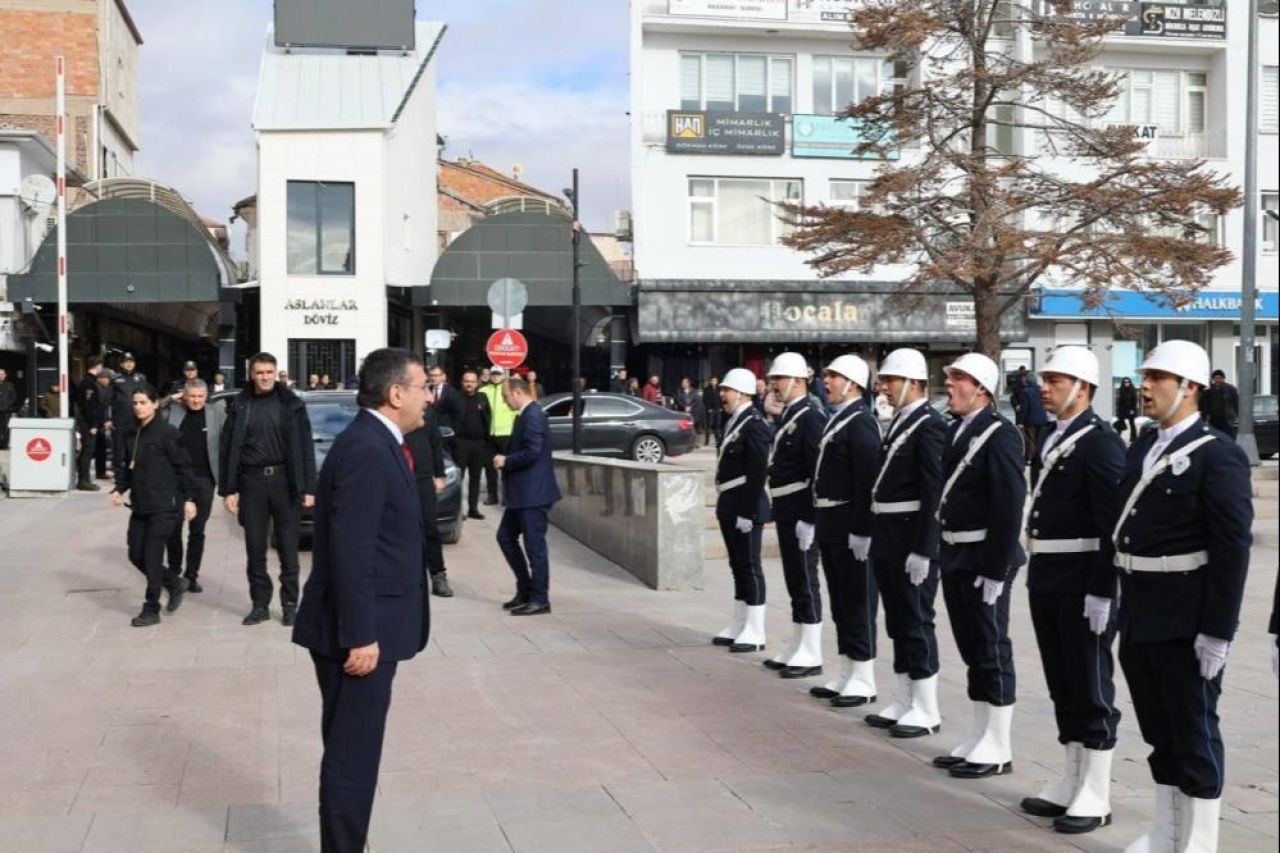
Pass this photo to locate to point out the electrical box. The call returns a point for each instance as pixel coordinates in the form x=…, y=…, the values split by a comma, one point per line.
x=42, y=456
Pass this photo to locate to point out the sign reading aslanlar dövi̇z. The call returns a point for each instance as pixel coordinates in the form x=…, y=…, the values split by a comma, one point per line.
x=1153, y=20
x=699, y=132
x=321, y=312
x=723, y=312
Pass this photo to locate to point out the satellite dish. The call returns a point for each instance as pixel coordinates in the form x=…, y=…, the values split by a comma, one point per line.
x=38, y=193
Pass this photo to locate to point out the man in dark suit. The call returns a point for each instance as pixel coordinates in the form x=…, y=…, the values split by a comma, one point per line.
x=364, y=607
x=529, y=490
x=427, y=448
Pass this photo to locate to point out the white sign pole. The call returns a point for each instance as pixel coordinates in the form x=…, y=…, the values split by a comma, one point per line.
x=60, y=108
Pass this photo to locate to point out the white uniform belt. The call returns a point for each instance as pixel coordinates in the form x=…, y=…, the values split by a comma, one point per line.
x=827, y=503
x=788, y=489
x=1171, y=563
x=1063, y=546
x=894, y=507
x=963, y=537
x=728, y=485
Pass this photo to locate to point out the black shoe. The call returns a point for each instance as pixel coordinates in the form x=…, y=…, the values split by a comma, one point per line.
x=1042, y=808
x=177, y=589
x=440, y=586
x=518, y=601
x=913, y=731
x=256, y=616
x=799, y=671
x=970, y=770
x=491, y=502
x=146, y=618
x=193, y=585
x=851, y=701
x=289, y=615
x=775, y=665
x=476, y=514
x=531, y=609
x=878, y=722
x=823, y=693
x=722, y=641
x=87, y=486
x=742, y=648
x=1078, y=825
x=946, y=762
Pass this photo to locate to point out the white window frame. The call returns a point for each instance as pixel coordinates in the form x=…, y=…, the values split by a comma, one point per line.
x=847, y=204
x=886, y=81
x=1269, y=113
x=1270, y=227
x=777, y=192
x=1185, y=86
x=772, y=62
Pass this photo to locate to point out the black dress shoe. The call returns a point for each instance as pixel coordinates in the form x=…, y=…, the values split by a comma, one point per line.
x=722, y=641
x=775, y=665
x=193, y=585
x=1042, y=808
x=946, y=762
x=878, y=722
x=970, y=770
x=851, y=701
x=86, y=486
x=799, y=671
x=177, y=589
x=491, y=502
x=518, y=601
x=146, y=618
x=440, y=586
x=913, y=731
x=1077, y=825
x=823, y=693
x=289, y=616
x=531, y=609
x=476, y=514
x=256, y=616
x=740, y=648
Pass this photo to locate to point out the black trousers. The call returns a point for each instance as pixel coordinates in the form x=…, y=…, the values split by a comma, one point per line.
x=497, y=446
x=433, y=548
x=117, y=443
x=1078, y=669
x=100, y=452
x=4, y=429
x=1177, y=712
x=853, y=598
x=909, y=616
x=84, y=456
x=531, y=565
x=800, y=571
x=195, y=533
x=744, y=559
x=147, y=535
x=353, y=721
x=471, y=457
x=265, y=500
x=981, y=632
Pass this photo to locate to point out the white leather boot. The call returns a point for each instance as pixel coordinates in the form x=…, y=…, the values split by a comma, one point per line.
x=1090, y=805
x=807, y=659
x=860, y=687
x=901, y=704
x=832, y=688
x=735, y=626
x=924, y=717
x=752, y=637
x=957, y=755
x=779, y=660
x=1054, y=797
x=993, y=754
x=1196, y=826
x=1159, y=838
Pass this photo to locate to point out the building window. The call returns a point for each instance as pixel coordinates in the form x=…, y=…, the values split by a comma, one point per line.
x=738, y=211
x=335, y=357
x=1270, y=207
x=847, y=194
x=322, y=228
x=735, y=82
x=1269, y=114
x=840, y=81
x=1173, y=101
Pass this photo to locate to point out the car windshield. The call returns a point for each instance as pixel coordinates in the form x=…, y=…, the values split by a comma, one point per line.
x=328, y=418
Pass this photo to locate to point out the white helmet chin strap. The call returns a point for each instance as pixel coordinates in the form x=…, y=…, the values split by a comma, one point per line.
x=1177, y=401
x=786, y=392
x=844, y=392
x=1070, y=400
x=902, y=395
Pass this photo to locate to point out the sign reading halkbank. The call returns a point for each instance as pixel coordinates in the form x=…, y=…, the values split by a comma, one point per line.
x=1207, y=305
x=701, y=132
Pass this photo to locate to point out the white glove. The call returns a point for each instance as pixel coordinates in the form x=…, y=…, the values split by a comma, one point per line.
x=860, y=546
x=1098, y=611
x=1212, y=654
x=990, y=589
x=744, y=525
x=804, y=535
x=1275, y=656
x=917, y=568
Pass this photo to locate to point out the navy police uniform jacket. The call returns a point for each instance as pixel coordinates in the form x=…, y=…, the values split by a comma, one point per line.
x=988, y=495
x=744, y=454
x=1078, y=499
x=913, y=473
x=848, y=452
x=1204, y=505
x=793, y=456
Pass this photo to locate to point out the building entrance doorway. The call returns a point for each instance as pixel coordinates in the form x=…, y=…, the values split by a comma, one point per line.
x=336, y=358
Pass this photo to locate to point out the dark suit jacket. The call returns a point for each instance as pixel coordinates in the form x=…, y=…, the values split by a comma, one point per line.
x=367, y=578
x=528, y=476
x=913, y=474
x=427, y=447
x=745, y=453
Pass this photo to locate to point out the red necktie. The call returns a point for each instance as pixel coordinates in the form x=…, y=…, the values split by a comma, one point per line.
x=408, y=456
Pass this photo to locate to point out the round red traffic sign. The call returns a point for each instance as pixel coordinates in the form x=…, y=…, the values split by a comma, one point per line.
x=507, y=348
x=39, y=449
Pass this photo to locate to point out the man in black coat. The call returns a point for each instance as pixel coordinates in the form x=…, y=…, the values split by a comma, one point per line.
x=365, y=607
x=8, y=403
x=87, y=407
x=123, y=384
x=471, y=421
x=1220, y=404
x=427, y=448
x=711, y=409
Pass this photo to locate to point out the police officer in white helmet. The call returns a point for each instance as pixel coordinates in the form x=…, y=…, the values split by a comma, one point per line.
x=1071, y=583
x=842, y=478
x=742, y=508
x=904, y=542
x=981, y=514
x=1182, y=540
x=792, y=457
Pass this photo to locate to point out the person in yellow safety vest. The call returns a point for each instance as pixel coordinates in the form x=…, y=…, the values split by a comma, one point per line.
x=500, y=425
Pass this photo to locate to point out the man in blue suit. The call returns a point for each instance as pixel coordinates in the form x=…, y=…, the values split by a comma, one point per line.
x=364, y=607
x=529, y=484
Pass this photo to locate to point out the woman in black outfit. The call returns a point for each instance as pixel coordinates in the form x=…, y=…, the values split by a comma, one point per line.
x=1127, y=406
x=157, y=472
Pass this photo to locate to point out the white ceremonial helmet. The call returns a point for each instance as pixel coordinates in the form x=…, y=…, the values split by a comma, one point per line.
x=1181, y=358
x=790, y=365
x=851, y=367
x=983, y=370
x=741, y=380
x=1074, y=361
x=907, y=363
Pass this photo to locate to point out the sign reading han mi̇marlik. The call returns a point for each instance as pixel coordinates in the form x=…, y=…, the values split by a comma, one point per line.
x=701, y=132
x=1154, y=20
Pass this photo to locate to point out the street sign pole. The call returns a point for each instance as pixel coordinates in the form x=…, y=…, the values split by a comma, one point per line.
x=577, y=325
x=64, y=385
x=1247, y=366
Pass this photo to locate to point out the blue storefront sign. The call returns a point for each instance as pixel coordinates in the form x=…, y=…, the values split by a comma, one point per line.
x=1128, y=304
x=830, y=137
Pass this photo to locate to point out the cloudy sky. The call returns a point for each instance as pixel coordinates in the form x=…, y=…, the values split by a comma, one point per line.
x=542, y=83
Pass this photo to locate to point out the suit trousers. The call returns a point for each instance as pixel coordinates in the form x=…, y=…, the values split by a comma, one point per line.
x=84, y=456
x=497, y=446
x=530, y=565
x=909, y=616
x=981, y=632
x=195, y=532
x=472, y=455
x=265, y=499
x=147, y=536
x=432, y=547
x=1177, y=712
x=352, y=723
x=800, y=571
x=851, y=591
x=100, y=448
x=744, y=559
x=1078, y=669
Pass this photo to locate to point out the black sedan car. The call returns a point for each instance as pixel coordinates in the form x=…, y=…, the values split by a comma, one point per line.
x=1266, y=424
x=618, y=425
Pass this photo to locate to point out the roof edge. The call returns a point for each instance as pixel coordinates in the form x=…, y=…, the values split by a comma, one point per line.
x=422, y=69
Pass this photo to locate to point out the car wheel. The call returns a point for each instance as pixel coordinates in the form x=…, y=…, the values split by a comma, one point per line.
x=648, y=448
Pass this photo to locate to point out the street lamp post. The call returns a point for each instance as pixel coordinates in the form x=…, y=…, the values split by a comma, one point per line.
x=1246, y=365
x=577, y=321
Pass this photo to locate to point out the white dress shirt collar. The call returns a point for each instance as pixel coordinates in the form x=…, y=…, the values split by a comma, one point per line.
x=389, y=424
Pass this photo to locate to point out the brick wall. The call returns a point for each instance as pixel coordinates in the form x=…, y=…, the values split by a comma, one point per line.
x=32, y=39
x=79, y=134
